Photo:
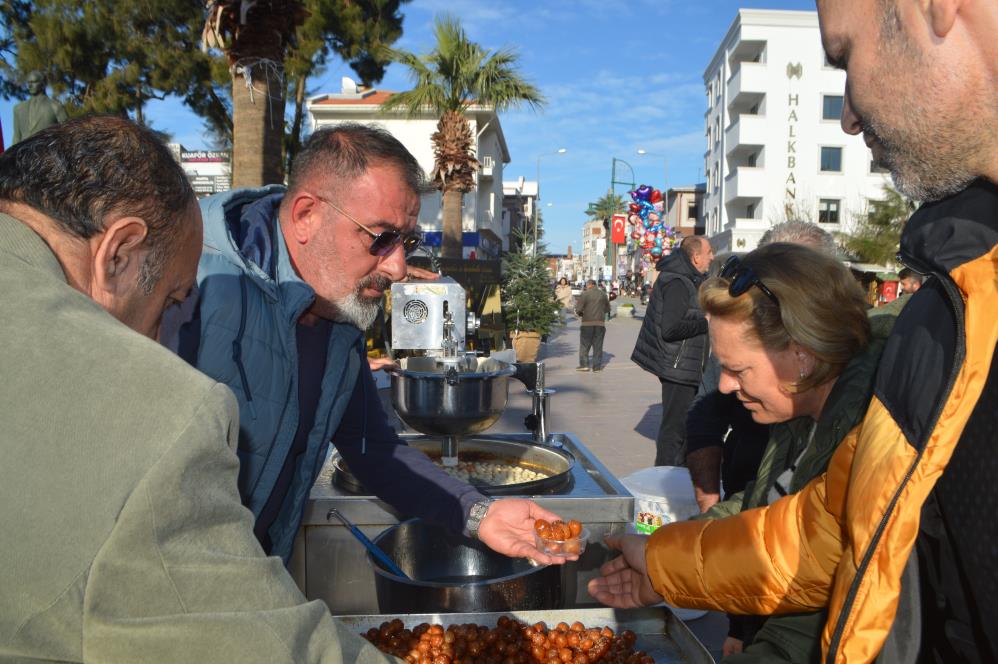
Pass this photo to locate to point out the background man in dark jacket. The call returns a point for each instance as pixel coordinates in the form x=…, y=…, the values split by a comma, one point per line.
x=592, y=307
x=672, y=343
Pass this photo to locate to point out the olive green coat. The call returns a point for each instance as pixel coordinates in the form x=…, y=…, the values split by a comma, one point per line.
x=123, y=536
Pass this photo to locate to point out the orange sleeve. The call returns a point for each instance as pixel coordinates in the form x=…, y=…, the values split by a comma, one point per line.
x=775, y=559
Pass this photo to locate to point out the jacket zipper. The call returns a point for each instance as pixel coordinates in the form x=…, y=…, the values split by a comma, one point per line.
x=959, y=356
x=237, y=350
x=679, y=354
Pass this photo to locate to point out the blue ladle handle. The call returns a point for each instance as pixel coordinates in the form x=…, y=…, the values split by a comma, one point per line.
x=368, y=544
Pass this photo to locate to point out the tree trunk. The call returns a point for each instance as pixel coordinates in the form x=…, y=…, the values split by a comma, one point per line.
x=294, y=140
x=258, y=125
x=451, y=246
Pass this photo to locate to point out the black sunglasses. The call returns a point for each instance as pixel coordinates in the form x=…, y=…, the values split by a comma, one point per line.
x=741, y=278
x=385, y=242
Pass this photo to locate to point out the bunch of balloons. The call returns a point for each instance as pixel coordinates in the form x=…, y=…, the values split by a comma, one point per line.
x=645, y=215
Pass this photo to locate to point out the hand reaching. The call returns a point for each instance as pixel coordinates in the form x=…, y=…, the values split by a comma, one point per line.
x=623, y=582
x=508, y=528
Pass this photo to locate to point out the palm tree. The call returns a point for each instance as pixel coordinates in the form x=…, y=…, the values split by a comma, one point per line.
x=606, y=207
x=455, y=75
x=254, y=35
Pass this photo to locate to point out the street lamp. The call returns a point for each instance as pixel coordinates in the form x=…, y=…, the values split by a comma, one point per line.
x=538, y=197
x=665, y=159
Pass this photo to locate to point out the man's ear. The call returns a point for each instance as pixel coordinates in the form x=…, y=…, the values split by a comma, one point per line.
x=943, y=13
x=118, y=255
x=303, y=217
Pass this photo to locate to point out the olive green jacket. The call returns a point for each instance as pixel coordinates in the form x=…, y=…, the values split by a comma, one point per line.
x=123, y=536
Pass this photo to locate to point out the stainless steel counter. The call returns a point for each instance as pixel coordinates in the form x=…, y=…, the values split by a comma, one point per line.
x=329, y=564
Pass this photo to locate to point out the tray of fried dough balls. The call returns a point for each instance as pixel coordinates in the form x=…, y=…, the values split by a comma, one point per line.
x=575, y=636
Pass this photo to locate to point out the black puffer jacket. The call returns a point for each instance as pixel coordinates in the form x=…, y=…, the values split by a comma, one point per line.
x=672, y=343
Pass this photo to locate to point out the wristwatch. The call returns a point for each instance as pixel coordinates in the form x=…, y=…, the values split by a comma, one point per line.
x=476, y=515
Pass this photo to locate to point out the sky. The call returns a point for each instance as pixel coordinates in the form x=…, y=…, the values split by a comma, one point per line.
x=618, y=76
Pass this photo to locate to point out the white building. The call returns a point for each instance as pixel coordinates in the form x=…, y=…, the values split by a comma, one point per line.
x=594, y=265
x=483, y=228
x=775, y=147
x=518, y=206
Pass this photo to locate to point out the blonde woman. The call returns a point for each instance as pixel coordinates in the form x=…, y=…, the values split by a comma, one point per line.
x=790, y=330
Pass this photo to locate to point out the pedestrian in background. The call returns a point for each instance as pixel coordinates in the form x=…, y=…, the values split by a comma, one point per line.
x=672, y=343
x=563, y=292
x=593, y=307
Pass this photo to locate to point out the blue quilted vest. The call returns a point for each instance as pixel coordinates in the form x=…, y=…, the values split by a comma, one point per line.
x=244, y=336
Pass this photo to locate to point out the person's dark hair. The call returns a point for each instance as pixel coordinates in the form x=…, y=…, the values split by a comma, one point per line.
x=908, y=273
x=82, y=172
x=591, y=282
x=345, y=152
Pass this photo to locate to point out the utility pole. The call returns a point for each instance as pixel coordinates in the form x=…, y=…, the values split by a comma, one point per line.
x=613, y=183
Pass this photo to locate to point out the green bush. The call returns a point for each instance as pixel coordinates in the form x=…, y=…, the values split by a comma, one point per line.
x=528, y=301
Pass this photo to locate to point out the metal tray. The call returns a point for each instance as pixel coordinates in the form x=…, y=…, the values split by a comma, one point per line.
x=660, y=633
x=556, y=463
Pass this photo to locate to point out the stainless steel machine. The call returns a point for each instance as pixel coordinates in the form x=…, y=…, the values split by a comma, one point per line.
x=450, y=397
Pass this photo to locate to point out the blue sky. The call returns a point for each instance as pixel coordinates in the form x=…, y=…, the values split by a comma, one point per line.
x=618, y=77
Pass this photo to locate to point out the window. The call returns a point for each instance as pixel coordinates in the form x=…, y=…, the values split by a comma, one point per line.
x=828, y=211
x=751, y=160
x=692, y=211
x=831, y=160
x=831, y=107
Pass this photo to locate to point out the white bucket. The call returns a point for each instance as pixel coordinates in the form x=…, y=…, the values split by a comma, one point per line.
x=663, y=494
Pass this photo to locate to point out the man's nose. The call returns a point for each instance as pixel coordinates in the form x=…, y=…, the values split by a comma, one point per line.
x=393, y=264
x=850, y=121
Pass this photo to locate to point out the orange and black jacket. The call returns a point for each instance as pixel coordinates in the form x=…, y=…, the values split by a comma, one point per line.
x=845, y=539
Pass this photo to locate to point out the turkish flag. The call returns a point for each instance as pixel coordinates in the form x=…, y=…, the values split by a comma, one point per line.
x=617, y=233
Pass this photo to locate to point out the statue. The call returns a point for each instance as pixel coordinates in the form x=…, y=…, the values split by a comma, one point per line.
x=37, y=113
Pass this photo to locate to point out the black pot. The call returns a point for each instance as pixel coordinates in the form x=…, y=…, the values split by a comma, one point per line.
x=450, y=573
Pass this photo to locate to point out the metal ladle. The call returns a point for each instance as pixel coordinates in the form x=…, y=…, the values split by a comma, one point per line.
x=371, y=547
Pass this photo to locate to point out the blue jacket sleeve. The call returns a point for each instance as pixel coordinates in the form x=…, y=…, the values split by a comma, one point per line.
x=402, y=476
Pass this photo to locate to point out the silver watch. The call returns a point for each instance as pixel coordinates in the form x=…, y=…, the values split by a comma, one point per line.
x=475, y=516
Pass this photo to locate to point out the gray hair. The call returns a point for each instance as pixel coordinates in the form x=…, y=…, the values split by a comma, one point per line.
x=800, y=232
x=84, y=172
x=345, y=151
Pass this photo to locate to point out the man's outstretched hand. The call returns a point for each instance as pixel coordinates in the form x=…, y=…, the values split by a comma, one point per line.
x=508, y=528
x=623, y=582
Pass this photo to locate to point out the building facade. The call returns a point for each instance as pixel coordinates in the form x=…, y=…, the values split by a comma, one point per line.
x=775, y=147
x=594, y=243
x=519, y=203
x=484, y=232
x=682, y=209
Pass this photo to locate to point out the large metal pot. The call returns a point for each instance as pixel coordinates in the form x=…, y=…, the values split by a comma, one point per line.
x=450, y=573
x=443, y=400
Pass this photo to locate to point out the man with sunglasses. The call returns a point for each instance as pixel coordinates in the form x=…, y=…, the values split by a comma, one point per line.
x=288, y=281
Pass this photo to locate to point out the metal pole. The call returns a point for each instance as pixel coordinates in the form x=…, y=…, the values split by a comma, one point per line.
x=537, y=200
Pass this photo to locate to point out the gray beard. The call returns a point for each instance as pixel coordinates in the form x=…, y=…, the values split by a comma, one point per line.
x=361, y=311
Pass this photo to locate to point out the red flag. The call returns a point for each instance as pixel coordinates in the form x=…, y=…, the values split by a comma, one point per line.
x=617, y=225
